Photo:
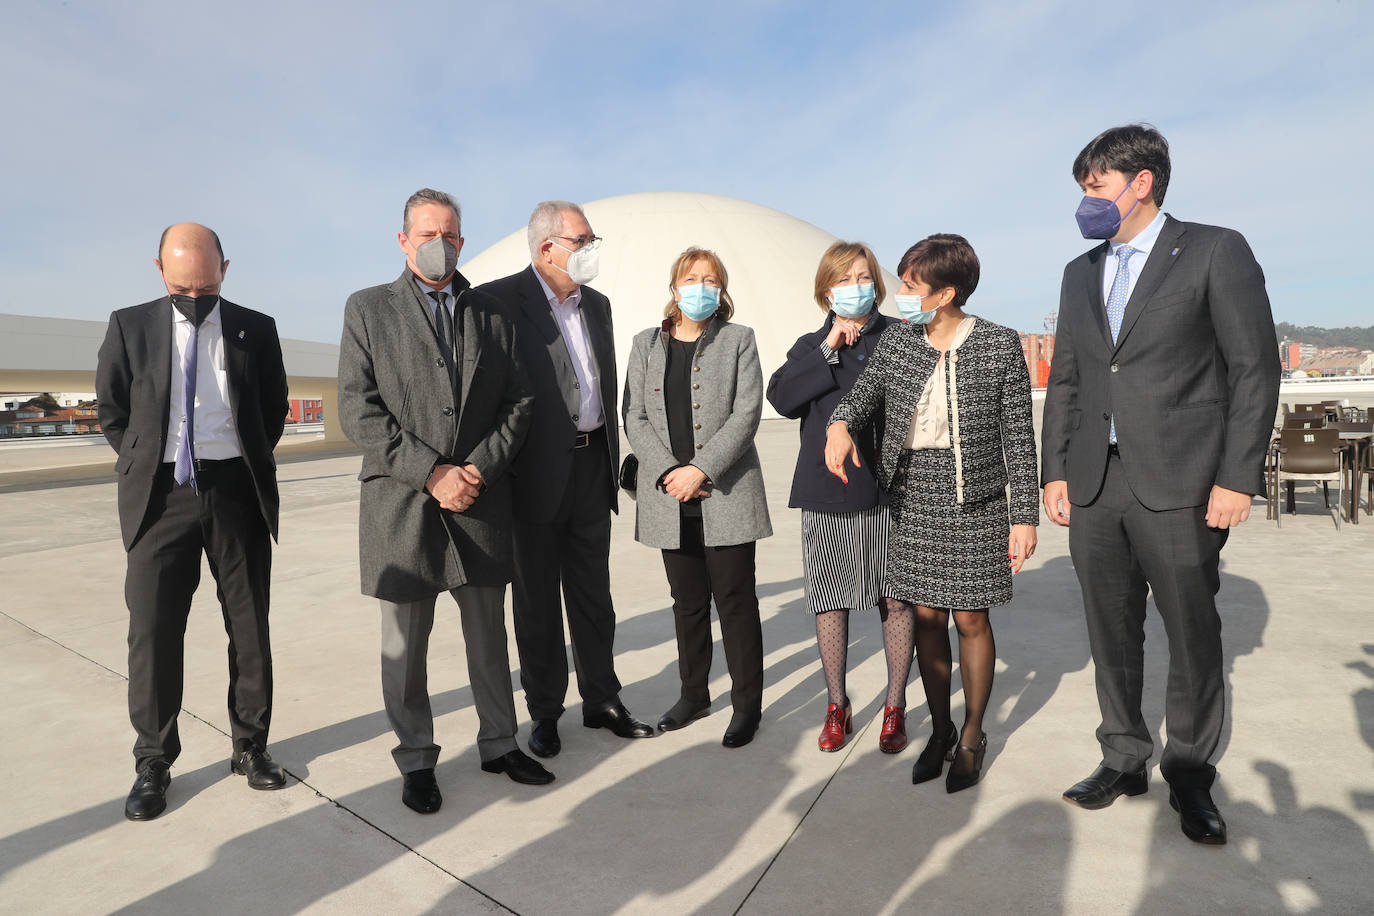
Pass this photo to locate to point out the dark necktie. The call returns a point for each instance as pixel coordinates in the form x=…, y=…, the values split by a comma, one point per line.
x=186, y=451
x=444, y=330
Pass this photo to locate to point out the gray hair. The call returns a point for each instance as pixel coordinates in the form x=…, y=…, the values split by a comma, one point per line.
x=547, y=221
x=430, y=196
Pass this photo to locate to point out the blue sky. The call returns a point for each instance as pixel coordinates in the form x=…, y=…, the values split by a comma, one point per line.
x=297, y=130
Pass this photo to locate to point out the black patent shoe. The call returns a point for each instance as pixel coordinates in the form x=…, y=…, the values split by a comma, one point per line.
x=1198, y=815
x=420, y=791
x=932, y=760
x=618, y=721
x=1104, y=786
x=544, y=741
x=961, y=778
x=741, y=729
x=148, y=798
x=262, y=771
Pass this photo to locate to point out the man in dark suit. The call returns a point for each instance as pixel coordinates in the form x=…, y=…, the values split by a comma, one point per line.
x=1159, y=408
x=192, y=396
x=430, y=388
x=566, y=472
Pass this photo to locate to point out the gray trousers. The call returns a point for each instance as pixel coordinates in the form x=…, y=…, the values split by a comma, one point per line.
x=1122, y=551
x=405, y=674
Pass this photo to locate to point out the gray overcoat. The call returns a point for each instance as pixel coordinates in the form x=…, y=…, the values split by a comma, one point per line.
x=727, y=384
x=396, y=403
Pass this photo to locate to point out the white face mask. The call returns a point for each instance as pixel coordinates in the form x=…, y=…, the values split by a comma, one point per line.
x=582, y=264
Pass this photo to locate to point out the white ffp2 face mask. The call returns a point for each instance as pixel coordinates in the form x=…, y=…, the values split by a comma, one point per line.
x=582, y=264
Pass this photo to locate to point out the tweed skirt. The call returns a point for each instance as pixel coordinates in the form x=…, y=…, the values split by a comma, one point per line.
x=942, y=554
x=843, y=555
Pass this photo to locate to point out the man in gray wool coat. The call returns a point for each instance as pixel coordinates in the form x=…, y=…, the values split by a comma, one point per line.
x=431, y=389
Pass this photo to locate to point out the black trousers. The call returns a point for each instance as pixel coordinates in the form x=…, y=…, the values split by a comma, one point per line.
x=696, y=574
x=225, y=523
x=572, y=552
x=1122, y=551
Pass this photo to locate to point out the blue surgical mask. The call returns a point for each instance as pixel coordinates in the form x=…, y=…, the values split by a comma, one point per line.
x=853, y=301
x=910, y=307
x=698, y=301
x=1098, y=218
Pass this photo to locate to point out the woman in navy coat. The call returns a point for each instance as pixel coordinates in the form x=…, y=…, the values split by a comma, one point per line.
x=844, y=524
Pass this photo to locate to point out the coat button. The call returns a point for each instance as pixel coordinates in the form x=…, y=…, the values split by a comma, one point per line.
x=696, y=407
x=698, y=445
x=1115, y=367
x=448, y=411
x=695, y=386
x=439, y=362
x=574, y=417
x=1106, y=416
x=696, y=426
x=696, y=368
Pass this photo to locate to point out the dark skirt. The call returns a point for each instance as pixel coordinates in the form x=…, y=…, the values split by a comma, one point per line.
x=942, y=554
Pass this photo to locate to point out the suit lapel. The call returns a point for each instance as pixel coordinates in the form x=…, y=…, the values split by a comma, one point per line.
x=473, y=335
x=1162, y=258
x=540, y=315
x=159, y=331
x=1096, y=306
x=235, y=342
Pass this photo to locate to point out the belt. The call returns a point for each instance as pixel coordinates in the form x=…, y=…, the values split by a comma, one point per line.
x=582, y=440
x=1113, y=450
x=208, y=464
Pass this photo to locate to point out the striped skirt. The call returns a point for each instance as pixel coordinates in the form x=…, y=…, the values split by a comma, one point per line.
x=843, y=557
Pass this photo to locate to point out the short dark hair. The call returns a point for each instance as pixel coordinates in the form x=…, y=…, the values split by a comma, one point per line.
x=1131, y=149
x=162, y=240
x=941, y=260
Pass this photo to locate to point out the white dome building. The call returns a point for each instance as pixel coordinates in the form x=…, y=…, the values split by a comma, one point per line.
x=771, y=259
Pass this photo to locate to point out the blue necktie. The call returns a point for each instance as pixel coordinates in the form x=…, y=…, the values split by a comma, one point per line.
x=186, y=450
x=1116, y=305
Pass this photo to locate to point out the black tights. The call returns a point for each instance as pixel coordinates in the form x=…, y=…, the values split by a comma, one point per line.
x=899, y=638
x=977, y=656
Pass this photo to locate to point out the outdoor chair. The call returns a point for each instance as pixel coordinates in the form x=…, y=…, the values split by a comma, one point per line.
x=1311, y=456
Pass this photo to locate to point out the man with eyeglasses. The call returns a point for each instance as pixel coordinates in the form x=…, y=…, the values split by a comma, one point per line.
x=565, y=488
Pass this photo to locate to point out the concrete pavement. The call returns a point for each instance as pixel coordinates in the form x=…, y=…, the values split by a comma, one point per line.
x=674, y=824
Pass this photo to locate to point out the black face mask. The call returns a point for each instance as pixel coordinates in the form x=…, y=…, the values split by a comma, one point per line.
x=195, y=308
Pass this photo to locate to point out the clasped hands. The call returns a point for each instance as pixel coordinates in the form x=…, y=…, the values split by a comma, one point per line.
x=686, y=483
x=455, y=486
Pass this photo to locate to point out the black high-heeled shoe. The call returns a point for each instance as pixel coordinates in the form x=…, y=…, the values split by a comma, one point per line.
x=958, y=780
x=932, y=760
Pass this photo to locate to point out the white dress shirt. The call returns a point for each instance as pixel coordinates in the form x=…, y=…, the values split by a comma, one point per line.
x=1143, y=243
x=568, y=314
x=214, y=437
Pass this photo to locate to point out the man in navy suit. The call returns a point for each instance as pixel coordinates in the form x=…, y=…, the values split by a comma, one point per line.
x=1159, y=408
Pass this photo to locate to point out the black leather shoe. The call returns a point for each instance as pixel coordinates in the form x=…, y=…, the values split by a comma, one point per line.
x=683, y=713
x=741, y=729
x=1104, y=786
x=1198, y=815
x=520, y=767
x=960, y=778
x=932, y=760
x=618, y=719
x=148, y=798
x=420, y=792
x=258, y=766
x=544, y=738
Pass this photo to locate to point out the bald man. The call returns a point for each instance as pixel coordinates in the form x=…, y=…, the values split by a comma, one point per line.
x=192, y=395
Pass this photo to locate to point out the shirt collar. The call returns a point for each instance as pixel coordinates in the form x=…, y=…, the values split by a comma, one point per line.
x=1145, y=239
x=574, y=298
x=425, y=290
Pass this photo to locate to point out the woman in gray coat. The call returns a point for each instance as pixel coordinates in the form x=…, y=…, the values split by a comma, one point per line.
x=693, y=396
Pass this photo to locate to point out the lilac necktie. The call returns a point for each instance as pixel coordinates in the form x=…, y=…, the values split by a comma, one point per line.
x=1116, y=305
x=186, y=450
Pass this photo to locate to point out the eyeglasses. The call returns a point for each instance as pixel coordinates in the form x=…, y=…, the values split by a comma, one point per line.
x=581, y=241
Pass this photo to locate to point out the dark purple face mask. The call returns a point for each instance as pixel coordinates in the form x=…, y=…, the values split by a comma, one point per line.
x=1098, y=218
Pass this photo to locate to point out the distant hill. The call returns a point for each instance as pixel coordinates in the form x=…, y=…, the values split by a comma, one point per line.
x=1360, y=338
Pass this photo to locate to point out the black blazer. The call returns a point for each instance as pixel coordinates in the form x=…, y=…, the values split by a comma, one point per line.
x=133, y=379
x=807, y=386
x=1193, y=378
x=542, y=465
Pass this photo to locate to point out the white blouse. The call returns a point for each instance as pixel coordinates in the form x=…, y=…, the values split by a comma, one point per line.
x=930, y=420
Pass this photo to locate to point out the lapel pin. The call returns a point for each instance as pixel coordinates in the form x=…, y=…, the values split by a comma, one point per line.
x=1174, y=252
x=241, y=333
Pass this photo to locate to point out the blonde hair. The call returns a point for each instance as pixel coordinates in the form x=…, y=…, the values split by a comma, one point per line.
x=835, y=263
x=682, y=265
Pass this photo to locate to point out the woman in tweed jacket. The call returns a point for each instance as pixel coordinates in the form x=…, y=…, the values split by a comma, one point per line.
x=693, y=397
x=955, y=395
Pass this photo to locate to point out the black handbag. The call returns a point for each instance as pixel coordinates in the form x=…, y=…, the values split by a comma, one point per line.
x=629, y=470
